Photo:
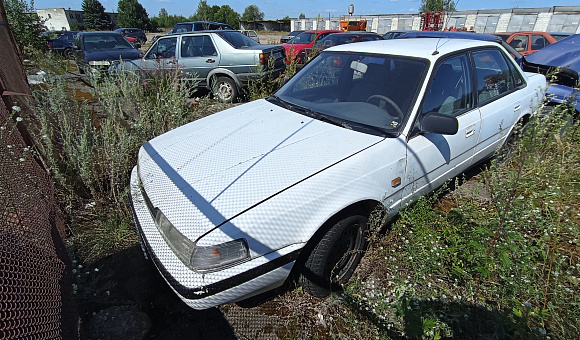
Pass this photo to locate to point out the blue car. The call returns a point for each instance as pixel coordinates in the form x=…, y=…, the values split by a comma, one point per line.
x=94, y=52
x=60, y=41
x=560, y=61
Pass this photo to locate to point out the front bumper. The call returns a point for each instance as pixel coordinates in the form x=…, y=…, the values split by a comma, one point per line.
x=202, y=291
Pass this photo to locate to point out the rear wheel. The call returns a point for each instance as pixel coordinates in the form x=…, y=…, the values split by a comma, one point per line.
x=225, y=90
x=68, y=53
x=334, y=259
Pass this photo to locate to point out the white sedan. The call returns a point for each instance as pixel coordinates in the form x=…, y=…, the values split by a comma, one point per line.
x=229, y=205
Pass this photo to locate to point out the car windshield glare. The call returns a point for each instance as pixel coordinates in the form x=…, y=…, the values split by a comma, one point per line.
x=238, y=40
x=360, y=90
x=303, y=38
x=106, y=42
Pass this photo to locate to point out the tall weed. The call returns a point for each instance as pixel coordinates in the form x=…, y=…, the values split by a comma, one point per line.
x=90, y=140
x=503, y=262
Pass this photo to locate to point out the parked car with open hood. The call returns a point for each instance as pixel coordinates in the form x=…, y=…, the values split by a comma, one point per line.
x=560, y=62
x=229, y=205
x=287, y=37
x=223, y=61
x=335, y=39
x=94, y=52
x=304, y=40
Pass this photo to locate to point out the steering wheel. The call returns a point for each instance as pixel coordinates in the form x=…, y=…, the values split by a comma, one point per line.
x=387, y=100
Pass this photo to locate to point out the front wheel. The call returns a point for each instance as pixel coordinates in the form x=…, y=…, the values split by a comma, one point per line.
x=335, y=257
x=225, y=90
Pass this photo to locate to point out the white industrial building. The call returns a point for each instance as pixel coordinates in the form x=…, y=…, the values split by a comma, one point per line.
x=546, y=19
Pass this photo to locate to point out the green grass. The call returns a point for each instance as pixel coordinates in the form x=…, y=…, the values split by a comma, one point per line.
x=503, y=267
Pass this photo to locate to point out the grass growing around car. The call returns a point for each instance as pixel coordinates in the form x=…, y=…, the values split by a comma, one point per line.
x=498, y=263
x=91, y=145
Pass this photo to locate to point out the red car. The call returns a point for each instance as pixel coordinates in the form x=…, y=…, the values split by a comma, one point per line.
x=301, y=41
x=527, y=42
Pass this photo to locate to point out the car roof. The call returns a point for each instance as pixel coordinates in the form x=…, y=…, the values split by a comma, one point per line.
x=421, y=48
x=98, y=32
x=323, y=31
x=450, y=35
x=200, y=32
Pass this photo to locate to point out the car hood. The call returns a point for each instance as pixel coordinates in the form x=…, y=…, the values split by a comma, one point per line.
x=125, y=54
x=218, y=167
x=564, y=53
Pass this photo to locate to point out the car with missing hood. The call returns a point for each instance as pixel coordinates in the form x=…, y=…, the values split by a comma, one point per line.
x=95, y=52
x=233, y=204
x=560, y=62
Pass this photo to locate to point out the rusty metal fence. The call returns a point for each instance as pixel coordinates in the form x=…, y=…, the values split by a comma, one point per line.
x=35, y=285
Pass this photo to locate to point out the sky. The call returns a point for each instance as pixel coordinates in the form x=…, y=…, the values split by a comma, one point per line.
x=277, y=9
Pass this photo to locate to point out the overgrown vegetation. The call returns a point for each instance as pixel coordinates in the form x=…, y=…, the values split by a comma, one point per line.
x=25, y=25
x=498, y=260
x=90, y=140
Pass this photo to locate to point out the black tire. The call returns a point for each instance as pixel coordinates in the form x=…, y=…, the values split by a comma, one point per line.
x=225, y=90
x=68, y=53
x=334, y=259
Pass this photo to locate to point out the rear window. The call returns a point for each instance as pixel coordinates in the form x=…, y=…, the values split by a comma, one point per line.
x=238, y=40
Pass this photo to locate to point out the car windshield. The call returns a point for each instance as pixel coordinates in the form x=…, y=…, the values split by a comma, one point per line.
x=303, y=38
x=335, y=39
x=238, y=40
x=357, y=91
x=106, y=42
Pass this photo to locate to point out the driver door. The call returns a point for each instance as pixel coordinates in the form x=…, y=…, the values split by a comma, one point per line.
x=434, y=158
x=162, y=55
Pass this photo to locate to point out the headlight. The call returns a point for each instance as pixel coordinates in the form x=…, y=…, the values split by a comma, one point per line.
x=221, y=255
x=100, y=63
x=198, y=258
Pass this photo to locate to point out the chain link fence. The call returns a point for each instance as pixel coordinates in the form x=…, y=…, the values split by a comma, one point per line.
x=36, y=300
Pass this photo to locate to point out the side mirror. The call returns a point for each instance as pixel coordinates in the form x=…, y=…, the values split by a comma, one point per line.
x=439, y=123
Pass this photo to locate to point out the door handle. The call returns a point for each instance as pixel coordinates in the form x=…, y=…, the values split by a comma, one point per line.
x=172, y=61
x=470, y=131
x=210, y=61
x=517, y=108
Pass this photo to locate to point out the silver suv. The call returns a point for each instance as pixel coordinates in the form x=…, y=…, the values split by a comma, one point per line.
x=223, y=61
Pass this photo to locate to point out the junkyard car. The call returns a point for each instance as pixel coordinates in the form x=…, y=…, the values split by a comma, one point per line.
x=60, y=41
x=560, y=62
x=289, y=36
x=95, y=52
x=304, y=40
x=527, y=42
x=334, y=39
x=137, y=34
x=220, y=60
x=229, y=205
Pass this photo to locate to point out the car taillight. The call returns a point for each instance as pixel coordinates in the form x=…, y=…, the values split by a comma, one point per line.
x=264, y=58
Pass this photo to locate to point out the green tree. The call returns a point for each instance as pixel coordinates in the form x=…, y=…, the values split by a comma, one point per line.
x=437, y=5
x=302, y=16
x=204, y=12
x=252, y=13
x=286, y=18
x=95, y=17
x=25, y=25
x=228, y=16
x=163, y=13
x=132, y=14
x=167, y=21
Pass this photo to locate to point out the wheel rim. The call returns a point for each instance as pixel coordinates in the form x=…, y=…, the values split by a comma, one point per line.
x=224, y=91
x=344, y=254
